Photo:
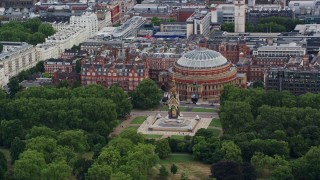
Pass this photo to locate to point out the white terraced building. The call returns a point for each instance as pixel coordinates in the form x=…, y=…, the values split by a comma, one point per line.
x=66, y=38
x=15, y=57
x=89, y=20
x=47, y=51
x=281, y=50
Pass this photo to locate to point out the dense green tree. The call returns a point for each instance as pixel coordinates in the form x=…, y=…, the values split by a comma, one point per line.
x=163, y=148
x=231, y=151
x=226, y=170
x=248, y=171
x=120, y=176
x=174, y=169
x=46, y=29
x=266, y=166
x=81, y=167
x=57, y=170
x=110, y=156
x=132, y=135
x=44, y=145
x=40, y=67
x=155, y=21
x=236, y=117
x=14, y=86
x=123, y=145
x=308, y=166
x=9, y=130
x=29, y=165
x=99, y=171
x=36, y=38
x=121, y=99
x=163, y=172
x=74, y=139
x=3, y=165
x=229, y=27
x=78, y=66
x=207, y=151
x=32, y=24
x=16, y=148
x=41, y=131
x=257, y=84
x=147, y=95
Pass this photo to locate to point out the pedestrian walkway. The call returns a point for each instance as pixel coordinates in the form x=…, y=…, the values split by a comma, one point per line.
x=124, y=124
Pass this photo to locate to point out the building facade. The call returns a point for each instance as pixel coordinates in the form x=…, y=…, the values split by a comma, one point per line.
x=202, y=73
x=46, y=51
x=127, y=76
x=16, y=57
x=53, y=65
x=239, y=16
x=159, y=62
x=199, y=23
x=88, y=20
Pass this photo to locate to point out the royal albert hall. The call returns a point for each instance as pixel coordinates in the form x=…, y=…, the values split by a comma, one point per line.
x=202, y=73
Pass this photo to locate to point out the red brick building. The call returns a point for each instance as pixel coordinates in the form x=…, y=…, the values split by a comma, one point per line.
x=228, y=49
x=69, y=54
x=128, y=76
x=63, y=65
x=114, y=8
x=158, y=62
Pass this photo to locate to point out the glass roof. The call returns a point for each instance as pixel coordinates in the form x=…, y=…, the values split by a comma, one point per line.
x=202, y=58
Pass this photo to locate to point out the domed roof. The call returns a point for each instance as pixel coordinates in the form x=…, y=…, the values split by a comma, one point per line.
x=202, y=58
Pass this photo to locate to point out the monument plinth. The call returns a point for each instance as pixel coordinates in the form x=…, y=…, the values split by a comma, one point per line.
x=174, y=123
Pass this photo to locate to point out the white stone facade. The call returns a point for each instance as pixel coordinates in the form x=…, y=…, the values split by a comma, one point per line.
x=199, y=23
x=89, y=20
x=66, y=38
x=46, y=51
x=239, y=16
x=282, y=50
x=3, y=77
x=16, y=57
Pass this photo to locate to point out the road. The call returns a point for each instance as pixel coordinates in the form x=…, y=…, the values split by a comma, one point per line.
x=164, y=113
x=215, y=106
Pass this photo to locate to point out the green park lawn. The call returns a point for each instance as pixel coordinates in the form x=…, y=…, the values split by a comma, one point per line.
x=202, y=110
x=177, y=158
x=152, y=136
x=138, y=120
x=216, y=132
x=215, y=123
x=186, y=164
x=177, y=137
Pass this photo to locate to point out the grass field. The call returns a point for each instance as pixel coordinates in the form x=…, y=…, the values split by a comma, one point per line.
x=130, y=127
x=186, y=164
x=138, y=120
x=177, y=137
x=216, y=132
x=7, y=155
x=202, y=110
x=215, y=123
x=152, y=136
x=177, y=158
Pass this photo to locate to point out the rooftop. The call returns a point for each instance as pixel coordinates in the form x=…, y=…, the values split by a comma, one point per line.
x=202, y=58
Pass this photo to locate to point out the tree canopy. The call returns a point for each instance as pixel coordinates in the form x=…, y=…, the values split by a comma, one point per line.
x=147, y=95
x=33, y=31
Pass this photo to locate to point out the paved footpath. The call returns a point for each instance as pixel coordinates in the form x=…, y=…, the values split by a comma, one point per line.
x=134, y=113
